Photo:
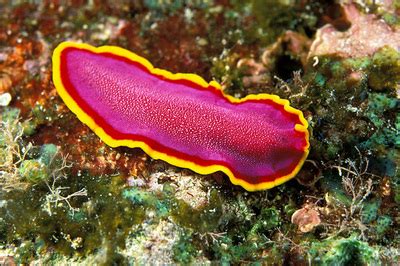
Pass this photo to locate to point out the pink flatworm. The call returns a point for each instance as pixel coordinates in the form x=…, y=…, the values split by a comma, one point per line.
x=258, y=141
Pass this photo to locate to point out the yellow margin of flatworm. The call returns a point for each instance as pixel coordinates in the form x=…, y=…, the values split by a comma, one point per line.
x=86, y=119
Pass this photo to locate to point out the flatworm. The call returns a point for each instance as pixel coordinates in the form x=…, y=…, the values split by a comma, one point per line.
x=258, y=141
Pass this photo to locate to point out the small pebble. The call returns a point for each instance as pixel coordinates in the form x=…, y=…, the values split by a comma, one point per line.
x=5, y=99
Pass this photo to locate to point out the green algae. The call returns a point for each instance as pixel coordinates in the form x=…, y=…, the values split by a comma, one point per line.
x=268, y=219
x=184, y=250
x=369, y=212
x=353, y=121
x=243, y=241
x=203, y=220
x=165, y=204
x=272, y=18
x=385, y=10
x=171, y=7
x=391, y=19
x=10, y=114
x=40, y=169
x=247, y=229
x=14, y=166
x=148, y=200
x=48, y=153
x=387, y=127
x=320, y=79
x=343, y=251
x=28, y=250
x=82, y=230
x=139, y=197
x=227, y=251
x=340, y=101
x=224, y=69
x=385, y=69
x=383, y=224
x=33, y=171
x=336, y=195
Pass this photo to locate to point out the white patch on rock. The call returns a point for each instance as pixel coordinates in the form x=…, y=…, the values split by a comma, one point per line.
x=5, y=99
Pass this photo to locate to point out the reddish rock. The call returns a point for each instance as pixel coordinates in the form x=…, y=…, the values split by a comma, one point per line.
x=364, y=37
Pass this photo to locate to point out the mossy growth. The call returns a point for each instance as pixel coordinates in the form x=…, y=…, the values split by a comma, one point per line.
x=335, y=100
x=382, y=111
x=369, y=211
x=200, y=220
x=385, y=10
x=28, y=250
x=268, y=219
x=344, y=251
x=378, y=104
x=82, y=226
x=11, y=132
x=10, y=125
x=391, y=19
x=10, y=115
x=48, y=153
x=333, y=74
x=42, y=114
x=224, y=69
x=272, y=18
x=148, y=200
x=33, y=171
x=172, y=6
x=346, y=114
x=382, y=71
x=396, y=190
x=227, y=251
x=385, y=69
x=16, y=167
x=249, y=225
x=383, y=224
x=42, y=166
x=184, y=251
x=335, y=194
x=140, y=197
x=228, y=227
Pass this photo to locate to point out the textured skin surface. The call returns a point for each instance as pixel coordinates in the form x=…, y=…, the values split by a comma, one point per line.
x=256, y=140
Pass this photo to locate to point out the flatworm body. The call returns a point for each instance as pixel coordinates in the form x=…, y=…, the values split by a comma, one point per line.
x=258, y=141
